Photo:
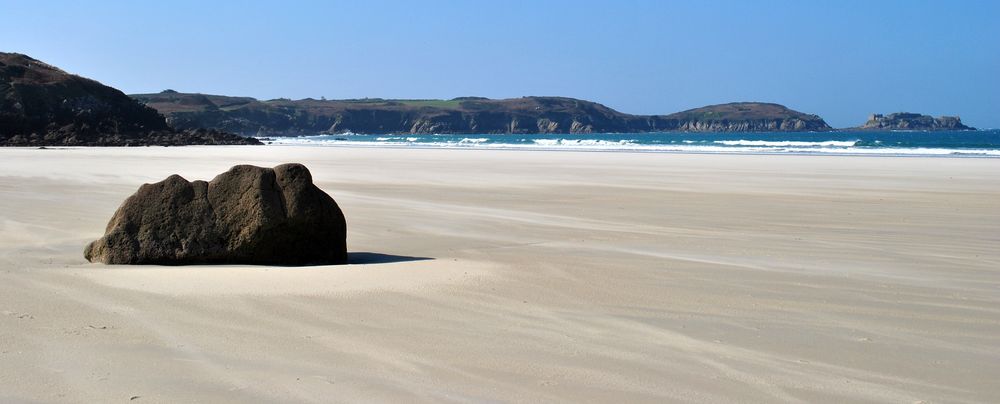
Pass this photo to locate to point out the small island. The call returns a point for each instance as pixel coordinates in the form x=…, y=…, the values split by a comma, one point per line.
x=911, y=121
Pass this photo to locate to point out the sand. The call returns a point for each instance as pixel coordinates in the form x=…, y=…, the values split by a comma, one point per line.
x=521, y=276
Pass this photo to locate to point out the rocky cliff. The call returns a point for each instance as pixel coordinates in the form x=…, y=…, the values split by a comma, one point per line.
x=911, y=121
x=43, y=105
x=526, y=115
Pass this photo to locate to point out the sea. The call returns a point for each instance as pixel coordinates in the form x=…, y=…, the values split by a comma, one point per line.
x=981, y=143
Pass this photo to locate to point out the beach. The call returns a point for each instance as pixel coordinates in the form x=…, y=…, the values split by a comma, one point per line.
x=521, y=276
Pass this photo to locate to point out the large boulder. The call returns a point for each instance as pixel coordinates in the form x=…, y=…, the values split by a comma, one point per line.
x=247, y=215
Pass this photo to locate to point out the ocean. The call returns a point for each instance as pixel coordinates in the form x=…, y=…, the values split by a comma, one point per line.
x=983, y=143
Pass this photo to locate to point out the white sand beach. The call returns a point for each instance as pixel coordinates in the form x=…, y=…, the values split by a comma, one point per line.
x=521, y=276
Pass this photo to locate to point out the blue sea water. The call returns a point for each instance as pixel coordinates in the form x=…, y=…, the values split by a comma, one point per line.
x=982, y=143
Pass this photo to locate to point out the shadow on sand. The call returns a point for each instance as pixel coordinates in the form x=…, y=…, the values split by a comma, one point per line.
x=377, y=258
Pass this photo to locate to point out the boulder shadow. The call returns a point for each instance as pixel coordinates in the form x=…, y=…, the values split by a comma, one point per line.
x=362, y=258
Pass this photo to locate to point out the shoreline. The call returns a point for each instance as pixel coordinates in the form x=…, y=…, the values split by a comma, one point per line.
x=888, y=143
x=625, y=150
x=359, y=145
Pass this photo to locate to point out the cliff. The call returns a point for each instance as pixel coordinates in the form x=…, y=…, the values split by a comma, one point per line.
x=43, y=105
x=910, y=121
x=526, y=115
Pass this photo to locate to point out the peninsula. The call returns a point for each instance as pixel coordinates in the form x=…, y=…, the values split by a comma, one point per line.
x=526, y=115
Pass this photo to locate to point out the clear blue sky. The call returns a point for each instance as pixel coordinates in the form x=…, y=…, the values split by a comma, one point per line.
x=839, y=59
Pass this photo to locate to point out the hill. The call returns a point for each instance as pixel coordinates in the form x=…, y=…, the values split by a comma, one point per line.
x=43, y=105
x=526, y=115
x=747, y=117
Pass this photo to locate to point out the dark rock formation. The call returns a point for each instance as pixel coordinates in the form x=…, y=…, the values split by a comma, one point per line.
x=247, y=215
x=526, y=115
x=42, y=105
x=910, y=121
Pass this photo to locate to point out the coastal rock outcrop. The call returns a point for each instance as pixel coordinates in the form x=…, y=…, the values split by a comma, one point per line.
x=247, y=215
x=525, y=115
x=911, y=121
x=41, y=105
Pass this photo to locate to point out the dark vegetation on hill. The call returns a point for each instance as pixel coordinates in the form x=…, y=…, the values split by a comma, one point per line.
x=41, y=105
x=526, y=115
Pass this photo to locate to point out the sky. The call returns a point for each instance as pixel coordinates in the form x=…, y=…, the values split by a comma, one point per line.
x=842, y=60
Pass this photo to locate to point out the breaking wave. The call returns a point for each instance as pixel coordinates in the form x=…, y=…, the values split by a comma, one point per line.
x=977, y=143
x=787, y=143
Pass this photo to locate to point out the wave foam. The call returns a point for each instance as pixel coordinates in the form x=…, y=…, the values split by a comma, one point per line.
x=787, y=143
x=477, y=140
x=581, y=142
x=723, y=146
